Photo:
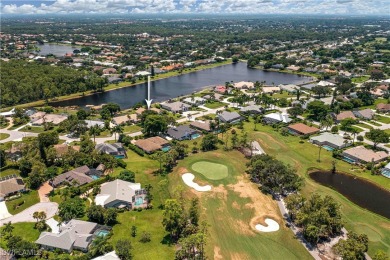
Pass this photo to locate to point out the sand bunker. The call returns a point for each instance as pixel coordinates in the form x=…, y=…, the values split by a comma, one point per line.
x=188, y=179
x=272, y=226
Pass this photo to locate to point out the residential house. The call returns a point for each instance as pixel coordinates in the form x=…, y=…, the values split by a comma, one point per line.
x=122, y=120
x=49, y=118
x=344, y=115
x=360, y=154
x=91, y=123
x=269, y=89
x=76, y=177
x=252, y=109
x=365, y=113
x=323, y=83
x=290, y=88
x=229, y=117
x=182, y=132
x=214, y=96
x=121, y=194
x=152, y=144
x=195, y=101
x=220, y=89
x=117, y=150
x=244, y=85
x=10, y=185
x=330, y=141
x=274, y=118
x=302, y=129
x=75, y=235
x=384, y=108
x=176, y=107
x=200, y=125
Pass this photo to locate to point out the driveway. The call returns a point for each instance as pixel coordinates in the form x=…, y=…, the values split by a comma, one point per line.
x=4, y=211
x=50, y=208
x=44, y=191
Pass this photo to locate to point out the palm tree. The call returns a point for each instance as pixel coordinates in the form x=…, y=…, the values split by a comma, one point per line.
x=354, y=132
x=319, y=154
x=8, y=228
x=94, y=130
x=118, y=129
x=328, y=121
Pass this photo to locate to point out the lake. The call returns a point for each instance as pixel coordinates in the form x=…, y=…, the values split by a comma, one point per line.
x=55, y=49
x=164, y=89
x=361, y=192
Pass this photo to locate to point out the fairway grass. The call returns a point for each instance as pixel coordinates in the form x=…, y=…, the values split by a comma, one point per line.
x=303, y=157
x=233, y=208
x=211, y=170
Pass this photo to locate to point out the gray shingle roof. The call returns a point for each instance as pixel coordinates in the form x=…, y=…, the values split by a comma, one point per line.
x=229, y=116
x=180, y=132
x=117, y=190
x=75, y=233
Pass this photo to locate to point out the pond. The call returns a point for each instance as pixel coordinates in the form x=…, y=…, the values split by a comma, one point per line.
x=164, y=89
x=55, y=49
x=361, y=192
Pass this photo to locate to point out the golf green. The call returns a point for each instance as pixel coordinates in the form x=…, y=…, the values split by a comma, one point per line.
x=210, y=170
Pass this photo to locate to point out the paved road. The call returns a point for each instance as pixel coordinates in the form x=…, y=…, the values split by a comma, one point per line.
x=50, y=208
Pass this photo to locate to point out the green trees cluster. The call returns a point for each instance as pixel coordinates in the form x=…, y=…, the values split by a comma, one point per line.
x=353, y=248
x=183, y=225
x=209, y=142
x=378, y=136
x=98, y=214
x=71, y=208
x=317, y=110
x=319, y=217
x=274, y=176
x=24, y=82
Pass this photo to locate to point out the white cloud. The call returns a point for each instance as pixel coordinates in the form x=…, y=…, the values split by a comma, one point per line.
x=200, y=6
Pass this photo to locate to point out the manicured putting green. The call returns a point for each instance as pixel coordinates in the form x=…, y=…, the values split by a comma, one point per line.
x=210, y=170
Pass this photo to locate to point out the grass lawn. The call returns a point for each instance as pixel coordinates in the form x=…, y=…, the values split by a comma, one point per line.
x=359, y=130
x=131, y=129
x=26, y=230
x=3, y=136
x=105, y=133
x=361, y=124
x=211, y=170
x=382, y=119
x=232, y=208
x=373, y=123
x=303, y=156
x=30, y=198
x=146, y=220
x=215, y=104
x=377, y=101
x=33, y=129
x=9, y=172
x=285, y=94
x=360, y=79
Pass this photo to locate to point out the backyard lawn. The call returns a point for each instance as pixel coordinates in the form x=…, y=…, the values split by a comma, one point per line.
x=233, y=207
x=215, y=104
x=361, y=124
x=30, y=198
x=303, y=157
x=146, y=220
x=25, y=230
x=129, y=129
x=33, y=129
x=383, y=119
x=3, y=136
x=9, y=172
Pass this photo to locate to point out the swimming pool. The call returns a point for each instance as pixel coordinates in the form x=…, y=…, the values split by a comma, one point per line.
x=348, y=160
x=102, y=233
x=327, y=147
x=95, y=177
x=194, y=136
x=386, y=173
x=166, y=148
x=139, y=201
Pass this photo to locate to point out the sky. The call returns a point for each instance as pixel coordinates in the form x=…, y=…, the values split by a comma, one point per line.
x=342, y=7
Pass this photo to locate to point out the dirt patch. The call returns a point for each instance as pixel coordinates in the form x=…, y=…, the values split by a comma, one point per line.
x=217, y=253
x=262, y=204
x=236, y=205
x=220, y=192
